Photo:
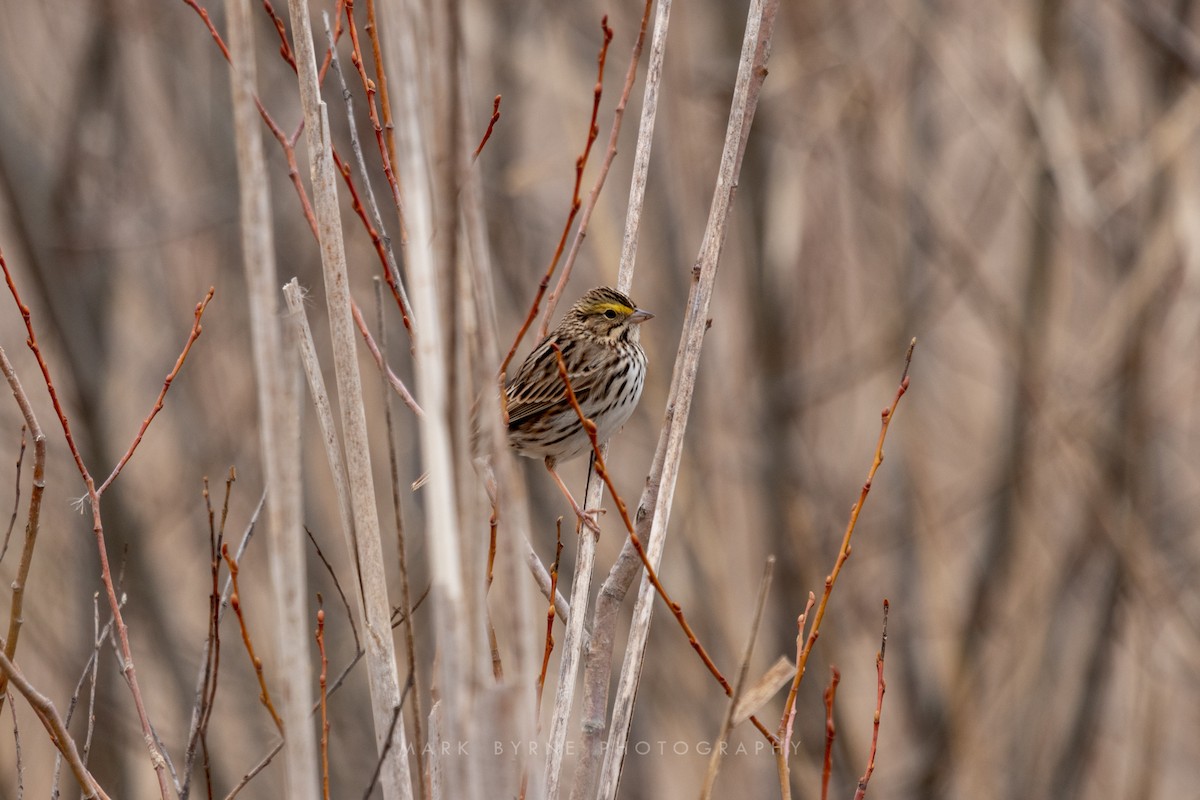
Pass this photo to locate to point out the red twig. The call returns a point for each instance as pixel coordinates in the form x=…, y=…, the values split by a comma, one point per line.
x=830, y=732
x=651, y=573
x=235, y=601
x=285, y=49
x=490, y=127
x=395, y=381
x=324, y=699
x=789, y=706
x=610, y=154
x=128, y=670
x=385, y=104
x=369, y=85
x=580, y=164
x=844, y=551
x=158, y=403
x=558, y=546
x=882, y=686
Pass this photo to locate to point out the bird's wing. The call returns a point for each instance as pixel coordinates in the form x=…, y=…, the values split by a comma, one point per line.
x=538, y=387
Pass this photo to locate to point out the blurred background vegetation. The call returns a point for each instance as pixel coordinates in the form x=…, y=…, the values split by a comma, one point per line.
x=1015, y=184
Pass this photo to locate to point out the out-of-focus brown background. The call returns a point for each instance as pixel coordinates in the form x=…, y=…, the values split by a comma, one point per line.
x=1015, y=184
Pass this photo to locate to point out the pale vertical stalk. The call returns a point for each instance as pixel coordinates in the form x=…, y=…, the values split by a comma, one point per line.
x=381, y=656
x=277, y=416
x=307, y=348
x=404, y=25
x=718, y=750
x=512, y=547
x=586, y=556
x=751, y=72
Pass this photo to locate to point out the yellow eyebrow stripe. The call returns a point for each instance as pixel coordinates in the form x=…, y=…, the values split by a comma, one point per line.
x=614, y=306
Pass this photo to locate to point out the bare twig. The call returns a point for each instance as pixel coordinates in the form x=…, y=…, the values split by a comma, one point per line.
x=580, y=165
x=610, y=153
x=861, y=792
x=207, y=671
x=406, y=605
x=12, y=520
x=158, y=403
x=324, y=698
x=844, y=551
x=714, y=761
x=33, y=521
x=128, y=670
x=830, y=731
x=487, y=134
x=256, y=662
x=375, y=227
x=44, y=708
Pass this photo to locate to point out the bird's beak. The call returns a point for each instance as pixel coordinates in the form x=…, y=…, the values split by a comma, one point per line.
x=639, y=316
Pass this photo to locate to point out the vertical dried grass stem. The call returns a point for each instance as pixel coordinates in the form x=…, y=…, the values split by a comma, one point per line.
x=294, y=297
x=381, y=659
x=277, y=412
x=432, y=359
x=714, y=761
x=751, y=73
x=406, y=606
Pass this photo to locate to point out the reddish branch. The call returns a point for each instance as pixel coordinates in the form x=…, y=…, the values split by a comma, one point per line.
x=882, y=686
x=93, y=497
x=158, y=403
x=558, y=546
x=369, y=86
x=384, y=101
x=830, y=731
x=490, y=127
x=395, y=381
x=324, y=700
x=235, y=601
x=844, y=551
x=651, y=573
x=580, y=164
x=610, y=155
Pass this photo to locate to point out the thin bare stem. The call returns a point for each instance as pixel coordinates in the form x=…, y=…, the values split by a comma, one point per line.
x=375, y=227
x=881, y=685
x=610, y=154
x=487, y=134
x=651, y=573
x=324, y=698
x=158, y=403
x=44, y=708
x=714, y=761
x=658, y=494
x=844, y=551
x=33, y=521
x=549, y=648
x=256, y=662
x=580, y=165
x=381, y=657
x=128, y=670
x=830, y=731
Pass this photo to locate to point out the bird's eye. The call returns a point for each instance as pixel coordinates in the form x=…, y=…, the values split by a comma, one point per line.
x=610, y=314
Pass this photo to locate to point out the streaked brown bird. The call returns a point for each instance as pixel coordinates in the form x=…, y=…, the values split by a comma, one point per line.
x=606, y=366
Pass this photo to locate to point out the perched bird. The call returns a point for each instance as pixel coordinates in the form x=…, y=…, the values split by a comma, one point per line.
x=606, y=367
